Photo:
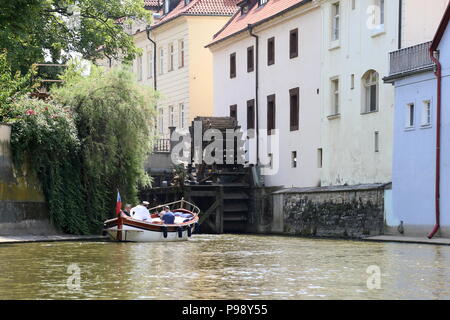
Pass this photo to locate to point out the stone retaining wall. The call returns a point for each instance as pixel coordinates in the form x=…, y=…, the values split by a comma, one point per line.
x=337, y=212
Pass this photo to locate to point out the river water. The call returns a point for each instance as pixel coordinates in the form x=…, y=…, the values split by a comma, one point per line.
x=225, y=267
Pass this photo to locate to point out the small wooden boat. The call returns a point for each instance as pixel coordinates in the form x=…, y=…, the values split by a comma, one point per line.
x=125, y=228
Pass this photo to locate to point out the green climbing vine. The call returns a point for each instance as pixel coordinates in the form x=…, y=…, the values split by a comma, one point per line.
x=92, y=138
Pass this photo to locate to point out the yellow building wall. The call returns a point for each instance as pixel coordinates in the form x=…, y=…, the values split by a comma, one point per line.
x=201, y=31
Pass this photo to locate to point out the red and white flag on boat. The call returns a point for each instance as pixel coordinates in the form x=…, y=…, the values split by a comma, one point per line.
x=118, y=203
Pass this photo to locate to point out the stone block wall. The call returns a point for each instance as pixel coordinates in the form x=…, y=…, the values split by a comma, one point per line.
x=335, y=212
x=23, y=208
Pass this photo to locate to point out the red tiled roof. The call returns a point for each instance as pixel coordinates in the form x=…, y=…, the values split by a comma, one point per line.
x=152, y=3
x=200, y=7
x=257, y=14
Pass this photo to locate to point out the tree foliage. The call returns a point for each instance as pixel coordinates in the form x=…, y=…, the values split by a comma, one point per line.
x=33, y=29
x=97, y=143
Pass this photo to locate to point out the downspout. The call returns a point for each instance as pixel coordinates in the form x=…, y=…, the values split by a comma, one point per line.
x=400, y=24
x=154, y=56
x=438, y=74
x=250, y=29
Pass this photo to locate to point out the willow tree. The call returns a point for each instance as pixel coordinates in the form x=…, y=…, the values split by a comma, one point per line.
x=114, y=116
x=90, y=140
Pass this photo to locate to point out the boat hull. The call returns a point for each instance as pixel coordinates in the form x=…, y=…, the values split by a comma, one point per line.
x=127, y=229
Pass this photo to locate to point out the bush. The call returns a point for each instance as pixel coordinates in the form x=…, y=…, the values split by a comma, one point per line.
x=91, y=140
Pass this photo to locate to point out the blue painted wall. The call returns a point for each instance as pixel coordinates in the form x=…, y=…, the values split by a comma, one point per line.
x=413, y=190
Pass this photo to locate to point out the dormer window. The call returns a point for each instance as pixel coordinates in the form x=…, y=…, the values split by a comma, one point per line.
x=244, y=9
x=186, y=2
x=166, y=6
x=262, y=2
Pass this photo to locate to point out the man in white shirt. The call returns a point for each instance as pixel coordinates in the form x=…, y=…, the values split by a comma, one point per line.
x=140, y=212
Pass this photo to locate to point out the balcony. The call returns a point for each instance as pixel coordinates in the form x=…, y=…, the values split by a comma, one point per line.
x=161, y=145
x=409, y=61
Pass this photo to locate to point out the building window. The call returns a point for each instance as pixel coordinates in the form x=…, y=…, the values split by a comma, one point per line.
x=161, y=60
x=270, y=51
x=182, y=115
x=251, y=114
x=233, y=65
x=161, y=120
x=233, y=111
x=293, y=43
x=149, y=64
x=381, y=6
x=370, y=92
x=426, y=114
x=171, y=56
x=139, y=67
x=294, y=108
x=353, y=4
x=319, y=158
x=409, y=116
x=262, y=2
x=270, y=156
x=250, y=59
x=377, y=141
x=171, y=116
x=180, y=53
x=335, y=97
x=294, y=159
x=352, y=82
x=335, y=20
x=244, y=8
x=271, y=114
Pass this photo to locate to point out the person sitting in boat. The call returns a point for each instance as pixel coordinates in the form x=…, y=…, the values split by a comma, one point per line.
x=127, y=209
x=186, y=216
x=167, y=216
x=140, y=212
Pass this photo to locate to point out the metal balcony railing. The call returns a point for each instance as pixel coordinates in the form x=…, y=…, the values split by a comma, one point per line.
x=410, y=59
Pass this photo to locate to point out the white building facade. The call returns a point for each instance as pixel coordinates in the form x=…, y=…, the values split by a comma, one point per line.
x=283, y=53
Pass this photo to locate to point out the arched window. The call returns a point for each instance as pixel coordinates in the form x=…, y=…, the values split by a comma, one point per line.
x=370, y=91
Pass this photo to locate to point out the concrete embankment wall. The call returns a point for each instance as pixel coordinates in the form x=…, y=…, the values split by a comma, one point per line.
x=335, y=212
x=23, y=208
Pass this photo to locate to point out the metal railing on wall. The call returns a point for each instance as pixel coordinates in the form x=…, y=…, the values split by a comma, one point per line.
x=410, y=59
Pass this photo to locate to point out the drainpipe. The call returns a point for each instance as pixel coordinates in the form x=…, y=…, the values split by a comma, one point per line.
x=400, y=24
x=438, y=74
x=250, y=29
x=147, y=29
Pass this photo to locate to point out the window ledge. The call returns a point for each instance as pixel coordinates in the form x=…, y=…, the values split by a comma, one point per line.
x=334, y=116
x=336, y=44
x=410, y=129
x=426, y=126
x=369, y=112
x=378, y=31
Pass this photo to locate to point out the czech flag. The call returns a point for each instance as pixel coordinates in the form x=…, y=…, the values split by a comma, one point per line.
x=119, y=203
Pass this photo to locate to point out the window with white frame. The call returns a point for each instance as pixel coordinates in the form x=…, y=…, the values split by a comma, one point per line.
x=161, y=120
x=335, y=96
x=139, y=68
x=182, y=115
x=377, y=141
x=294, y=159
x=426, y=113
x=161, y=60
x=171, y=56
x=370, y=91
x=149, y=64
x=335, y=21
x=381, y=11
x=409, y=121
x=171, y=116
x=180, y=53
x=261, y=2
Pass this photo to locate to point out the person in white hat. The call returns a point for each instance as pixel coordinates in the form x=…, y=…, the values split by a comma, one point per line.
x=140, y=212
